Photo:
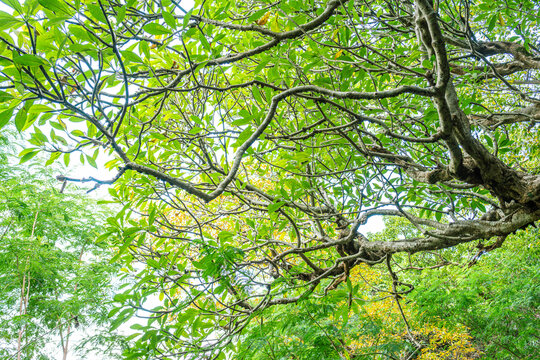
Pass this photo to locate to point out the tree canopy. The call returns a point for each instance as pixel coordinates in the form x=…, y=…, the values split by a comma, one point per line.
x=56, y=279
x=249, y=141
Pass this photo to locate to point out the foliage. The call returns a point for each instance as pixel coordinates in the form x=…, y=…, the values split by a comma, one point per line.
x=497, y=299
x=486, y=309
x=250, y=140
x=363, y=326
x=55, y=277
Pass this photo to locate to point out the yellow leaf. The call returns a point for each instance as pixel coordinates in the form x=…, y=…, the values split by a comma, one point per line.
x=338, y=54
x=335, y=36
x=275, y=25
x=264, y=19
x=501, y=20
x=161, y=296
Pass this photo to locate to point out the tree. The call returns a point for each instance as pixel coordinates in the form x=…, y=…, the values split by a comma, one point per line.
x=252, y=139
x=56, y=279
x=497, y=299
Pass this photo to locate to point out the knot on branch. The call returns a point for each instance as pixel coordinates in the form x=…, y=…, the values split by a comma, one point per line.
x=354, y=247
x=436, y=175
x=469, y=171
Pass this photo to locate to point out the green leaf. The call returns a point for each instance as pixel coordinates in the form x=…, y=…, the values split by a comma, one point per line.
x=169, y=19
x=185, y=21
x=122, y=250
x=246, y=118
x=145, y=49
x=81, y=48
x=115, y=324
x=97, y=13
x=20, y=119
x=28, y=155
x=52, y=158
x=5, y=116
x=488, y=140
x=225, y=236
x=4, y=96
x=39, y=108
x=79, y=32
x=55, y=6
x=244, y=135
x=480, y=206
x=200, y=66
x=256, y=15
x=30, y=60
x=156, y=29
x=121, y=14
x=14, y=4
x=26, y=151
x=132, y=230
x=57, y=125
x=78, y=133
x=204, y=41
x=275, y=206
x=130, y=56
x=91, y=161
x=61, y=47
x=30, y=119
x=262, y=64
x=492, y=22
x=7, y=20
x=427, y=64
x=138, y=327
x=257, y=95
